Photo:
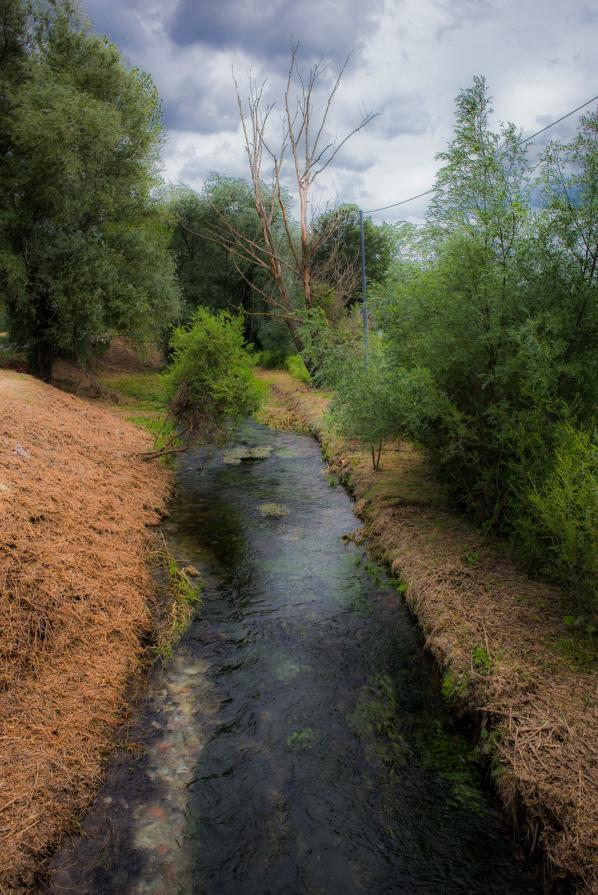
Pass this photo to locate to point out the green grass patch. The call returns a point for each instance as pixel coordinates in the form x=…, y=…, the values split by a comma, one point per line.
x=295, y=366
x=184, y=596
x=144, y=403
x=148, y=387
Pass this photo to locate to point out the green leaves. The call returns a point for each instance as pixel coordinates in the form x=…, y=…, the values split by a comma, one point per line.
x=486, y=352
x=210, y=378
x=77, y=215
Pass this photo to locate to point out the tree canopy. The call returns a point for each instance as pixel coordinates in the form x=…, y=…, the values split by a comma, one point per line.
x=84, y=246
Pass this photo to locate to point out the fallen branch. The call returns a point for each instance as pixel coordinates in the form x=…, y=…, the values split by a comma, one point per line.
x=153, y=455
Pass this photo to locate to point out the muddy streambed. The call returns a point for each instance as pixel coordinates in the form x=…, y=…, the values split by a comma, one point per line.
x=297, y=742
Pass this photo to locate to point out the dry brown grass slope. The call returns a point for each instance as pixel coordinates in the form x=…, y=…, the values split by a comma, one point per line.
x=76, y=507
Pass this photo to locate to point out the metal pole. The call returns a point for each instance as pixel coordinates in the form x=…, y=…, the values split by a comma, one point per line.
x=364, y=293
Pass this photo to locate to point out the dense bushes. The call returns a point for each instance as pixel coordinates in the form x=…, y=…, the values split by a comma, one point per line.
x=487, y=343
x=210, y=377
x=566, y=509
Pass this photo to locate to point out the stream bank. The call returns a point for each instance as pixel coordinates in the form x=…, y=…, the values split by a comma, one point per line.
x=497, y=635
x=77, y=508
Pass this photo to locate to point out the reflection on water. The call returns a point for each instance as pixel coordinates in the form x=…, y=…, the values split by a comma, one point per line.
x=297, y=743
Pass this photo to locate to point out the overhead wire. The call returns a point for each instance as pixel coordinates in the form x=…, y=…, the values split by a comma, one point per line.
x=523, y=143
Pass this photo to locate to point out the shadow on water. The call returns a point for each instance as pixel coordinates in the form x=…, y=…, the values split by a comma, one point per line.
x=297, y=742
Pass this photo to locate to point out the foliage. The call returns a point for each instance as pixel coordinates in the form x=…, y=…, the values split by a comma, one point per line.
x=270, y=359
x=184, y=597
x=337, y=256
x=373, y=404
x=296, y=367
x=484, y=341
x=566, y=508
x=210, y=275
x=142, y=397
x=330, y=346
x=210, y=379
x=83, y=246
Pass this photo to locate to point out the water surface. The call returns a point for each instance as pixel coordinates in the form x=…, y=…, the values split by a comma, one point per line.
x=297, y=743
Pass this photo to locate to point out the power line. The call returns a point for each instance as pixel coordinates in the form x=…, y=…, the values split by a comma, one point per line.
x=523, y=143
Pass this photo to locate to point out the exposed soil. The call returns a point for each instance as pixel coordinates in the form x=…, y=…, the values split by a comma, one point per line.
x=497, y=634
x=76, y=509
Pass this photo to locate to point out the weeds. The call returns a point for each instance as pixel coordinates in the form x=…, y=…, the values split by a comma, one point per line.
x=454, y=687
x=184, y=596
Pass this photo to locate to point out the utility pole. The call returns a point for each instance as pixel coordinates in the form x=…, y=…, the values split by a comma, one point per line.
x=364, y=292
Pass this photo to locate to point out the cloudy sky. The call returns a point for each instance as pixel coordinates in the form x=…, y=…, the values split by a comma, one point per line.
x=410, y=58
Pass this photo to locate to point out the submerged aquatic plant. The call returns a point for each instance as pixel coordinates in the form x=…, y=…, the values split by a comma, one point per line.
x=273, y=510
x=300, y=740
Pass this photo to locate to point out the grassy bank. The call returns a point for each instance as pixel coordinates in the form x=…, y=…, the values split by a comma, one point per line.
x=508, y=658
x=77, y=506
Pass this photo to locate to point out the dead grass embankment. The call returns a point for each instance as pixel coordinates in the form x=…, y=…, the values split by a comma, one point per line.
x=76, y=507
x=497, y=635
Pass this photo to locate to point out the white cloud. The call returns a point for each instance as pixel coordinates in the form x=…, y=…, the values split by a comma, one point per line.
x=539, y=59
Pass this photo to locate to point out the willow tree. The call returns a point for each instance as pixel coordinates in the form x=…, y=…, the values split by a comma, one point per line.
x=83, y=246
x=303, y=143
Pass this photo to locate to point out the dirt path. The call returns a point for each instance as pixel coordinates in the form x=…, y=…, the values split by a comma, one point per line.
x=497, y=634
x=75, y=509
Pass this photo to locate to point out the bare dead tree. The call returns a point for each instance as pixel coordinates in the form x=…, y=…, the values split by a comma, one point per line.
x=287, y=248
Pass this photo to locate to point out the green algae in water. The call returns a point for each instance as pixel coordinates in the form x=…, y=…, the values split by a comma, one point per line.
x=376, y=572
x=375, y=721
x=283, y=564
x=285, y=666
x=287, y=453
x=353, y=598
x=234, y=456
x=301, y=740
x=453, y=758
x=239, y=453
x=273, y=510
x=261, y=452
x=287, y=670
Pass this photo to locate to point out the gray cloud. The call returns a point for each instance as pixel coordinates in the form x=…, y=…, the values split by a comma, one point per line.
x=588, y=16
x=121, y=22
x=412, y=58
x=459, y=14
x=402, y=115
x=204, y=106
x=268, y=28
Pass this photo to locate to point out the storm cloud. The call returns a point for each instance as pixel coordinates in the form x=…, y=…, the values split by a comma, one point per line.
x=267, y=29
x=410, y=58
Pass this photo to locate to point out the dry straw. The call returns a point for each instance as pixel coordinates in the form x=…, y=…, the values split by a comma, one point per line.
x=76, y=508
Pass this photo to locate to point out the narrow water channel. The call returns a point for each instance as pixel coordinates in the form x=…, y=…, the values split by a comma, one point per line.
x=297, y=742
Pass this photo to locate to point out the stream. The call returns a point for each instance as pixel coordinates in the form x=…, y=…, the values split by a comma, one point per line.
x=297, y=742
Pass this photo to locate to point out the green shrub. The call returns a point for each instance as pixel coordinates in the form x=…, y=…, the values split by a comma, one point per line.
x=210, y=377
x=270, y=359
x=296, y=367
x=566, y=510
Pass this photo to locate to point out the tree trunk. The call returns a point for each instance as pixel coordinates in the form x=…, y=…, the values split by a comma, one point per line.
x=44, y=360
x=294, y=331
x=42, y=352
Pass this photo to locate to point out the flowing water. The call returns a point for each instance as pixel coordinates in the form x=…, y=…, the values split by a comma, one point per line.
x=297, y=742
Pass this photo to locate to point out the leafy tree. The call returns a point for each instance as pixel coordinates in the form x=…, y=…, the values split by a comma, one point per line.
x=490, y=336
x=212, y=274
x=460, y=315
x=374, y=403
x=567, y=259
x=208, y=275
x=83, y=246
x=337, y=256
x=565, y=509
x=286, y=249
